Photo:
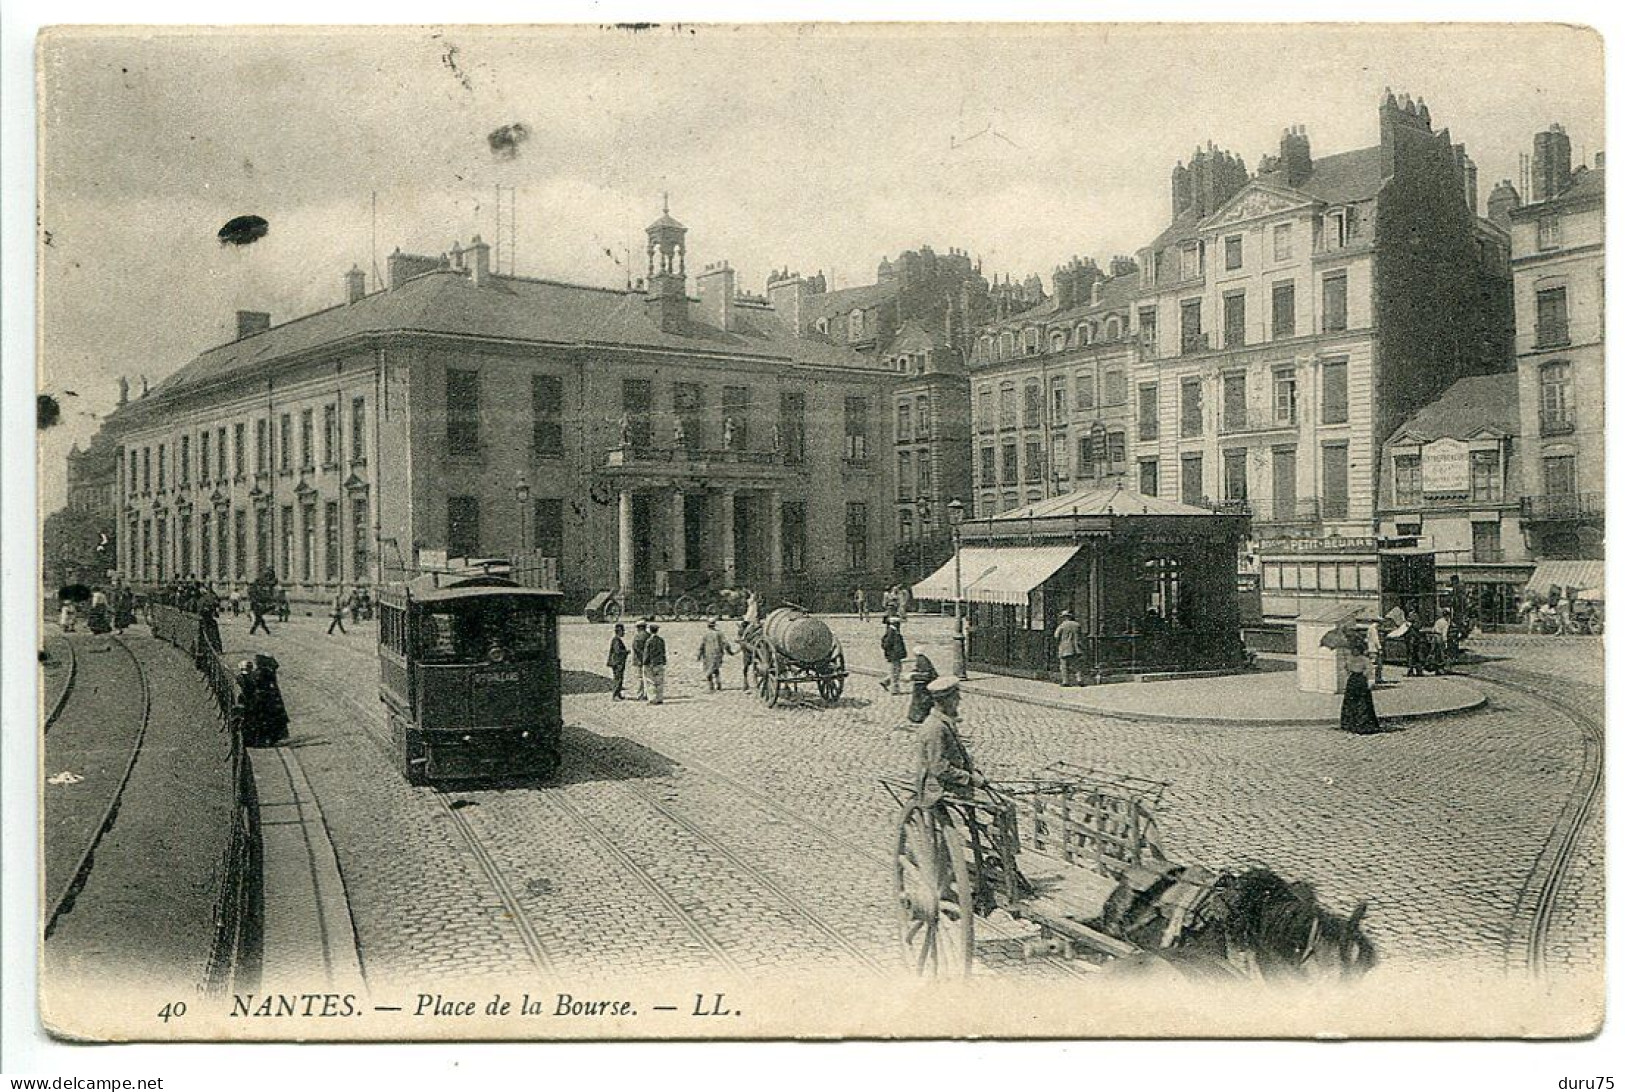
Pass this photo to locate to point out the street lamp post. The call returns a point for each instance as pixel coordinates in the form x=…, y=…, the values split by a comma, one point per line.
x=956, y=516
x=521, y=492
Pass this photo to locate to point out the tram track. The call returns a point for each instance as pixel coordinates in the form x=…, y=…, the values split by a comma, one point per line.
x=827, y=834
x=67, y=687
x=62, y=899
x=710, y=841
x=1539, y=899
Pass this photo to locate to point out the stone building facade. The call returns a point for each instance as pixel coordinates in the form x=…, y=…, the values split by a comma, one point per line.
x=1558, y=269
x=1050, y=406
x=931, y=438
x=1451, y=477
x=458, y=411
x=1286, y=322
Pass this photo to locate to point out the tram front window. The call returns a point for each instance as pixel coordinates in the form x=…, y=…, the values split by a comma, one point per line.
x=487, y=631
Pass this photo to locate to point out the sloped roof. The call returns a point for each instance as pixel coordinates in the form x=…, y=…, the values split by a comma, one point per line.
x=510, y=308
x=1345, y=177
x=1466, y=408
x=1116, y=501
x=843, y=300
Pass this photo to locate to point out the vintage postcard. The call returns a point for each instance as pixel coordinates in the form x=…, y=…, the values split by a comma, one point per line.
x=707, y=531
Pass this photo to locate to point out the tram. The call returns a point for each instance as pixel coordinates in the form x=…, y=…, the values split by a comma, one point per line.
x=1371, y=577
x=470, y=676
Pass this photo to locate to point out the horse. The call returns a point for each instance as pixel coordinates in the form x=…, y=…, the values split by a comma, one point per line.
x=1252, y=925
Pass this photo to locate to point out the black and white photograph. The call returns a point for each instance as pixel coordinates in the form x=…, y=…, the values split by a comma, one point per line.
x=820, y=530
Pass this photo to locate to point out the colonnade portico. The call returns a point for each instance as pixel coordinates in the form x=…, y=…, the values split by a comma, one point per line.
x=720, y=548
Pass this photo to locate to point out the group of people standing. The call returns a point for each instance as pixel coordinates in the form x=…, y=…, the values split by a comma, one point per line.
x=646, y=655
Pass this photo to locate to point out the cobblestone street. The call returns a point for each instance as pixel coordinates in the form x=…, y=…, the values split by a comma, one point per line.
x=712, y=832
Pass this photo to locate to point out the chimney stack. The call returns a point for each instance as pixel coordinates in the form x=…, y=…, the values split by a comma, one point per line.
x=355, y=284
x=1552, y=164
x=123, y=390
x=478, y=259
x=1503, y=199
x=715, y=286
x=250, y=323
x=1296, y=164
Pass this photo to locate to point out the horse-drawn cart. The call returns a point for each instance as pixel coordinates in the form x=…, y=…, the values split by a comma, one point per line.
x=791, y=648
x=1093, y=878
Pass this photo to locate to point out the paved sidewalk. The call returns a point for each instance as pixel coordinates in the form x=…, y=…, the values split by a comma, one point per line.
x=1263, y=698
x=309, y=940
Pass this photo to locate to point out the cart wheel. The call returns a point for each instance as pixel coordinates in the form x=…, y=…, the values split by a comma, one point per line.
x=686, y=608
x=935, y=913
x=772, y=688
x=612, y=611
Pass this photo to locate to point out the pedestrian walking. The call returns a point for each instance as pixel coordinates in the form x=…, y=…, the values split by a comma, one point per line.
x=257, y=608
x=1068, y=648
x=284, y=610
x=1439, y=643
x=354, y=603
x=340, y=602
x=1359, y=713
x=1565, y=615
x=618, y=655
x=654, y=665
x=1415, y=643
x=640, y=641
x=236, y=602
x=712, y=649
x=888, y=601
x=69, y=617
x=1373, y=650
x=895, y=650
x=860, y=603
x=123, y=608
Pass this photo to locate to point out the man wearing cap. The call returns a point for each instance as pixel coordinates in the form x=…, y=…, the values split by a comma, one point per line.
x=1068, y=646
x=640, y=640
x=896, y=651
x=943, y=767
x=712, y=649
x=654, y=665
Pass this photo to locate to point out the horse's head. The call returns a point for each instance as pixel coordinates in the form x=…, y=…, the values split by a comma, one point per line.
x=1337, y=947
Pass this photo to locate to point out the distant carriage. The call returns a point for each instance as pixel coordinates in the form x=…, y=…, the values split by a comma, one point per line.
x=680, y=595
x=791, y=648
x=470, y=676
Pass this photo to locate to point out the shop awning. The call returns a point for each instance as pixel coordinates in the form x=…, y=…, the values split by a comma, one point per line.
x=996, y=574
x=1566, y=574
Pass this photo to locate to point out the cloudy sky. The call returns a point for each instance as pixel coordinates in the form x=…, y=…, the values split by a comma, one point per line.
x=822, y=148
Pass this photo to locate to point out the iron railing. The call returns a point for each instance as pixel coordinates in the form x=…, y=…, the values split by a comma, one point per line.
x=1562, y=506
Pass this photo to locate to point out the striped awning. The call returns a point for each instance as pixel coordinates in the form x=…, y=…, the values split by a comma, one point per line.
x=1566, y=574
x=996, y=574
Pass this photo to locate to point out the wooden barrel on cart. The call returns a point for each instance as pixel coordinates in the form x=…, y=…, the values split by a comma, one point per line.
x=799, y=636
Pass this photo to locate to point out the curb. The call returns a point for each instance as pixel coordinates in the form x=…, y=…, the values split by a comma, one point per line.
x=1181, y=718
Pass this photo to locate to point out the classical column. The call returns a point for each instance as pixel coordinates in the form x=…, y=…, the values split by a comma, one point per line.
x=775, y=538
x=679, y=539
x=627, y=573
x=729, y=563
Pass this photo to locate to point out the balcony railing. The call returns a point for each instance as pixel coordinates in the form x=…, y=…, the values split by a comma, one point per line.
x=1227, y=507
x=1556, y=424
x=1230, y=424
x=1562, y=506
x=634, y=454
x=1299, y=510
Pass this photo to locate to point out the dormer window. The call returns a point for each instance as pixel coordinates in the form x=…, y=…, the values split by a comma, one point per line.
x=1029, y=340
x=1190, y=261
x=855, y=326
x=1007, y=344
x=1057, y=340
x=823, y=326
x=1086, y=336
x=1113, y=328
x=1335, y=234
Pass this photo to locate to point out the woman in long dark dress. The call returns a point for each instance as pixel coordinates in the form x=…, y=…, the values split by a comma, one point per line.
x=1359, y=709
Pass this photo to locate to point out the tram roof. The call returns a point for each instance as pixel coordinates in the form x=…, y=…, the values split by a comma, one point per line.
x=424, y=590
